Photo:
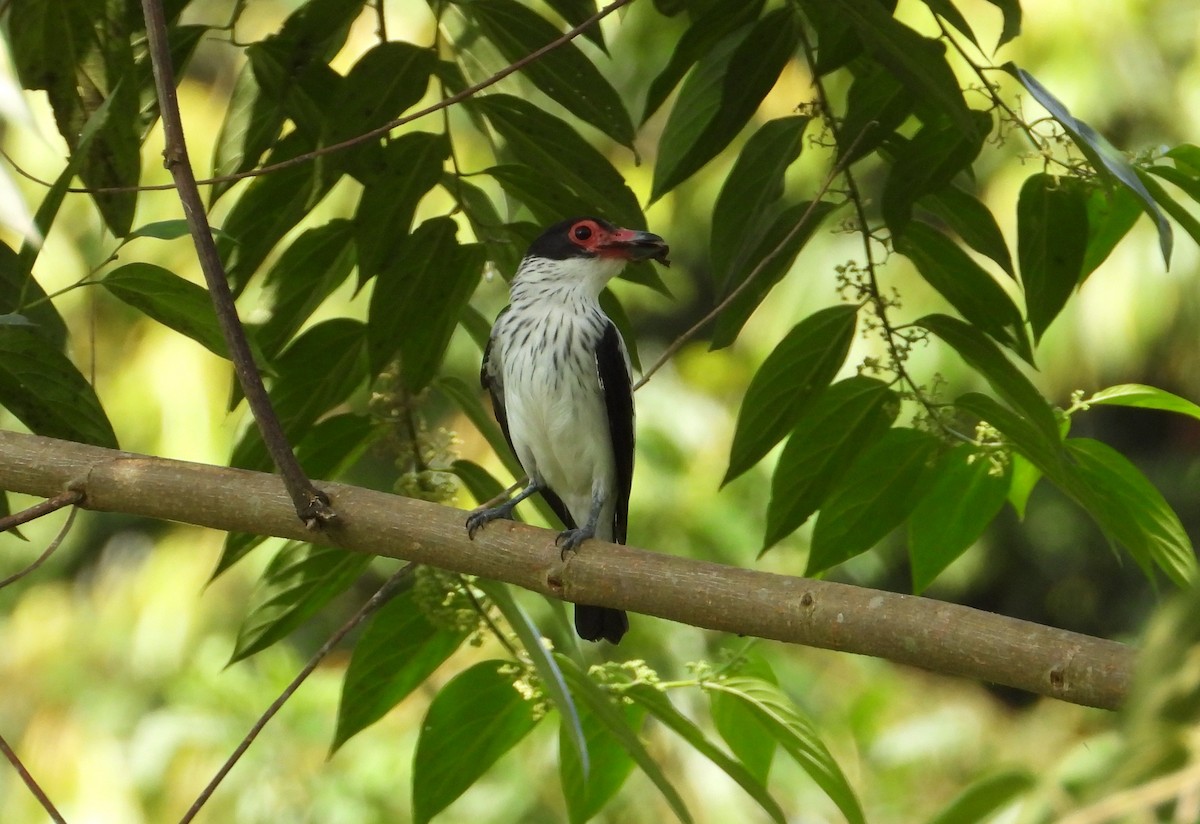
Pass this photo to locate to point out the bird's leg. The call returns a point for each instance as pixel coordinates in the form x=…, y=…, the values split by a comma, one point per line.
x=570, y=539
x=485, y=516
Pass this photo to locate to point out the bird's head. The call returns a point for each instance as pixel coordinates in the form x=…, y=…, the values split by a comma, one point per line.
x=586, y=252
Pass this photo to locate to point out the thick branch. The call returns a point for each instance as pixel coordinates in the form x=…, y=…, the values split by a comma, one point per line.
x=941, y=637
x=308, y=502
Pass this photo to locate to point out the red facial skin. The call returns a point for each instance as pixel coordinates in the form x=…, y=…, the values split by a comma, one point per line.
x=615, y=242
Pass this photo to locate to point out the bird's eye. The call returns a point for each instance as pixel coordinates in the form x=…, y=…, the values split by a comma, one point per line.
x=582, y=232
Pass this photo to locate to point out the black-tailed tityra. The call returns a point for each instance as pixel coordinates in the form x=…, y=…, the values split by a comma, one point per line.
x=559, y=376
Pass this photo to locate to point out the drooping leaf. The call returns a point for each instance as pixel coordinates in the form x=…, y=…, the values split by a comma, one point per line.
x=1052, y=240
x=399, y=649
x=169, y=299
x=928, y=162
x=21, y=295
x=1011, y=9
x=253, y=121
x=658, y=705
x=306, y=273
x=414, y=307
x=386, y=81
x=795, y=373
x=796, y=734
x=832, y=430
x=617, y=724
x=965, y=494
x=540, y=140
x=1170, y=205
x=576, y=12
x=548, y=198
x=1024, y=477
x=395, y=180
x=874, y=496
x=42, y=388
x=1129, y=509
x=876, y=105
x=986, y=358
x=721, y=95
x=1145, y=397
x=750, y=739
x=611, y=764
x=300, y=580
x=965, y=284
x=838, y=43
x=946, y=10
x=713, y=24
x=305, y=91
x=753, y=186
x=972, y=221
x=564, y=74
x=1105, y=157
x=1111, y=213
x=475, y=719
x=766, y=265
x=981, y=800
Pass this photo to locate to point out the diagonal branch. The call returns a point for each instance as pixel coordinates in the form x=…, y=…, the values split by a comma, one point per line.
x=310, y=504
x=944, y=638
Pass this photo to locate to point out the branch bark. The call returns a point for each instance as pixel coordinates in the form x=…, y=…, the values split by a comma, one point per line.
x=920, y=632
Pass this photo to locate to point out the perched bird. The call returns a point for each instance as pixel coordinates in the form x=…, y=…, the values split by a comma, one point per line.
x=559, y=376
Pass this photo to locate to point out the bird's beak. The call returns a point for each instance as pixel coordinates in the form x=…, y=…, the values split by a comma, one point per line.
x=635, y=245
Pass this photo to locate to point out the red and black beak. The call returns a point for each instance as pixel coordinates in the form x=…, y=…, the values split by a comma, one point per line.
x=634, y=245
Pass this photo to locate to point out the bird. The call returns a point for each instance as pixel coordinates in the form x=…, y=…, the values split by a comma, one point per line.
x=559, y=377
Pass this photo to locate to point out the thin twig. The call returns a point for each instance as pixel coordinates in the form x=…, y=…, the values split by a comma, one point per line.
x=458, y=97
x=801, y=224
x=46, y=553
x=1142, y=798
x=32, y=784
x=68, y=498
x=382, y=596
x=312, y=505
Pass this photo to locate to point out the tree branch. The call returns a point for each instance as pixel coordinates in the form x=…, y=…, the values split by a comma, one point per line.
x=944, y=638
x=309, y=503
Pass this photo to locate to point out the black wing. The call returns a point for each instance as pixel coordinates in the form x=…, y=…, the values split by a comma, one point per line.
x=617, y=387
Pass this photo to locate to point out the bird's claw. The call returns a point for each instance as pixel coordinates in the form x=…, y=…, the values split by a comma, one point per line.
x=569, y=540
x=480, y=517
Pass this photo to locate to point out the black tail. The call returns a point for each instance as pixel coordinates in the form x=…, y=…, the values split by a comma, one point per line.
x=594, y=623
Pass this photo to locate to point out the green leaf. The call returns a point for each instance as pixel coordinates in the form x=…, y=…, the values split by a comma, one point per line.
x=300, y=580
x=796, y=734
x=1052, y=239
x=486, y=224
x=832, y=430
x=21, y=295
x=169, y=299
x=1046, y=455
x=587, y=795
x=771, y=259
x=564, y=74
x=402, y=173
x=1103, y=156
x=414, y=307
x=916, y=61
x=876, y=105
x=965, y=494
x=965, y=284
x=576, y=12
x=1171, y=206
x=541, y=656
x=1130, y=509
x=750, y=739
x=162, y=230
x=1145, y=397
x=838, y=43
x=1011, y=9
x=384, y=82
x=950, y=13
x=741, y=214
x=616, y=721
x=874, y=496
x=721, y=95
x=972, y=221
x=1111, y=213
x=982, y=799
x=928, y=162
x=657, y=704
x=542, y=141
x=547, y=198
x=799, y=368
x=305, y=274
x=707, y=30
x=474, y=719
x=253, y=121
x=986, y=358
x=399, y=649
x=42, y=388
x=1024, y=477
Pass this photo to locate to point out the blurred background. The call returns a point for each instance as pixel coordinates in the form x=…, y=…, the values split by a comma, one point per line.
x=113, y=655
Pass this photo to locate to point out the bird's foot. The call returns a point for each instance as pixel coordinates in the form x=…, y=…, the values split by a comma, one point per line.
x=477, y=519
x=569, y=540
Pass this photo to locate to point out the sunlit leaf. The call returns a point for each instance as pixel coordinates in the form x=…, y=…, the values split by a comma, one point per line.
x=832, y=430
x=42, y=388
x=982, y=799
x=1111, y=213
x=299, y=581
x=399, y=649
x=965, y=494
x=799, y=368
x=1145, y=397
x=476, y=718
x=874, y=496
x=750, y=739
